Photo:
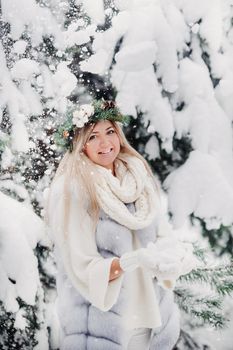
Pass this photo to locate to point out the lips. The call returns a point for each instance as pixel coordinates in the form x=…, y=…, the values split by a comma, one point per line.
x=106, y=152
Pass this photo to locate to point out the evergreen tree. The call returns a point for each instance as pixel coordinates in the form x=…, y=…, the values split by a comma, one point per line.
x=35, y=82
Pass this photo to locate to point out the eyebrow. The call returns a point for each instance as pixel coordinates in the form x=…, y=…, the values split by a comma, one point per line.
x=97, y=132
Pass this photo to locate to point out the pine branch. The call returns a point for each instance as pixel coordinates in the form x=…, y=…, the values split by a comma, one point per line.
x=204, y=309
x=199, y=252
x=219, y=278
x=186, y=341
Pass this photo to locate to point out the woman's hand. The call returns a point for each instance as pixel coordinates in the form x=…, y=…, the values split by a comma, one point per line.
x=166, y=259
x=141, y=257
x=115, y=271
x=172, y=258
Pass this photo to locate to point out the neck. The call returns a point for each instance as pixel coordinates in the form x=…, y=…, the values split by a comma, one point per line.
x=111, y=168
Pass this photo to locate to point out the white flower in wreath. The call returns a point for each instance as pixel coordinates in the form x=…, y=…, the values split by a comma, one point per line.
x=87, y=109
x=81, y=116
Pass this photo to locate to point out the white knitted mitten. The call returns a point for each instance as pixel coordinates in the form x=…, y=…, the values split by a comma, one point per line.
x=141, y=257
x=173, y=258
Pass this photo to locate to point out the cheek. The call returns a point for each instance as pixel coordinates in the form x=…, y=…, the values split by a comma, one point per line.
x=89, y=151
x=117, y=143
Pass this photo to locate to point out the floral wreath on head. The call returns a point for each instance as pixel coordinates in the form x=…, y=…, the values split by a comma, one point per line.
x=87, y=114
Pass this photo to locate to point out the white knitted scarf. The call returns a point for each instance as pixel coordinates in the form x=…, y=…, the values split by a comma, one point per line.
x=131, y=184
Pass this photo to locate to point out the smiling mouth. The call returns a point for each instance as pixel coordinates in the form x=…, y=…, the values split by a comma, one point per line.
x=106, y=152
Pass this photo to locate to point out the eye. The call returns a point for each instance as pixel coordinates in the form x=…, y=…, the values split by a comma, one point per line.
x=92, y=137
x=111, y=131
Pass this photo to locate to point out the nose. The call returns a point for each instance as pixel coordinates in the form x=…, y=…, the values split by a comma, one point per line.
x=103, y=142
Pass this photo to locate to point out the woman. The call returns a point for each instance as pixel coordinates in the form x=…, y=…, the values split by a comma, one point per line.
x=105, y=218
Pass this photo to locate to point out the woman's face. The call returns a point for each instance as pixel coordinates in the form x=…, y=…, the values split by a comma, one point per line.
x=103, y=144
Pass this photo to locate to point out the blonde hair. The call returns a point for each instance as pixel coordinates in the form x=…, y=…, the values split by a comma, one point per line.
x=78, y=169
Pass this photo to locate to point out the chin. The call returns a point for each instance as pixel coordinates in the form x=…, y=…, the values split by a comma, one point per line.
x=107, y=164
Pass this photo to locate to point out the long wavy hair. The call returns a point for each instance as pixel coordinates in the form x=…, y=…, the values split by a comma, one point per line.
x=78, y=169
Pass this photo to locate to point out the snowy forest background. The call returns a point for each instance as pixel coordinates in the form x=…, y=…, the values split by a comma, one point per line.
x=168, y=64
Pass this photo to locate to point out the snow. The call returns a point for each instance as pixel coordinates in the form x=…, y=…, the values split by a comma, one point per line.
x=97, y=64
x=134, y=87
x=42, y=338
x=208, y=126
x=224, y=92
x=211, y=14
x=153, y=55
x=103, y=44
x=152, y=148
x=133, y=74
x=7, y=158
x=177, y=23
x=64, y=83
x=18, y=262
x=167, y=57
x=19, y=47
x=19, y=134
x=194, y=81
x=95, y=10
x=25, y=69
x=32, y=97
x=194, y=9
x=20, y=320
x=10, y=95
x=28, y=13
x=18, y=189
x=47, y=77
x=73, y=36
x=202, y=189
x=122, y=5
x=211, y=26
x=122, y=22
x=136, y=58
x=210, y=132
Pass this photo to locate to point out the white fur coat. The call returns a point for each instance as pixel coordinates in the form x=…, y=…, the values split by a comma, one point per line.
x=90, y=310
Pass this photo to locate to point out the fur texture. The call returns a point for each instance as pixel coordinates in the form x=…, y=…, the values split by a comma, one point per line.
x=85, y=327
